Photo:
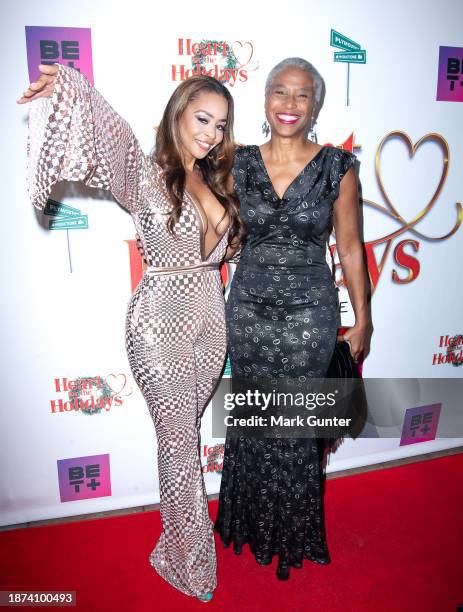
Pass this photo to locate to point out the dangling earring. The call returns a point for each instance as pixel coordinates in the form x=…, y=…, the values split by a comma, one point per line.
x=312, y=133
x=265, y=128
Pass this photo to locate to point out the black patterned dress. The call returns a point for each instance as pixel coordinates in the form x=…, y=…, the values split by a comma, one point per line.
x=282, y=319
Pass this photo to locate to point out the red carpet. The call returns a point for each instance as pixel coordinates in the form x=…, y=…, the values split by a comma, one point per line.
x=395, y=537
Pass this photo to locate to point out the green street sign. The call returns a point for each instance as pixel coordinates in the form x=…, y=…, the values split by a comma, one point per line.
x=58, y=209
x=69, y=223
x=342, y=42
x=358, y=57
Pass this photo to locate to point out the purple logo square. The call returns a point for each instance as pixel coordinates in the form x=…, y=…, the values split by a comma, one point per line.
x=420, y=424
x=450, y=75
x=84, y=477
x=68, y=46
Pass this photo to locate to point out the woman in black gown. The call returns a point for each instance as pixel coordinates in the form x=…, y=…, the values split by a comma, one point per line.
x=282, y=315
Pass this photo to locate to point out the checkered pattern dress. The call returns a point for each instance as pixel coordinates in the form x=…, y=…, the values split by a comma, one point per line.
x=175, y=325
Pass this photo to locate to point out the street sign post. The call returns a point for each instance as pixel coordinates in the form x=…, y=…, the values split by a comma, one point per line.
x=58, y=209
x=356, y=57
x=342, y=42
x=352, y=54
x=68, y=223
x=65, y=217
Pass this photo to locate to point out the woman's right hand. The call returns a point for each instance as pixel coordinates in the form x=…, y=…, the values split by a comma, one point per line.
x=43, y=87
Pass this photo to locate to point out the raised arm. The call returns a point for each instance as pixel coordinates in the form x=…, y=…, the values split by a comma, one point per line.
x=75, y=135
x=346, y=220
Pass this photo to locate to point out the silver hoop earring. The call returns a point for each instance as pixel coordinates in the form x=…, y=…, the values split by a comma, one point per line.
x=265, y=129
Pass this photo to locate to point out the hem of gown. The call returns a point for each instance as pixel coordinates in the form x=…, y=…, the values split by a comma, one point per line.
x=155, y=561
x=238, y=547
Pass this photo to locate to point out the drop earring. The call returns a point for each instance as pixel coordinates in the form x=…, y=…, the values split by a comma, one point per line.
x=265, y=128
x=312, y=133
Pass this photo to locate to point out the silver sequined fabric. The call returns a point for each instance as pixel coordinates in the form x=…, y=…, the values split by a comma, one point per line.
x=175, y=324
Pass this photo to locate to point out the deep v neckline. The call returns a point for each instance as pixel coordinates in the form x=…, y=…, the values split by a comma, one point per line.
x=199, y=210
x=261, y=162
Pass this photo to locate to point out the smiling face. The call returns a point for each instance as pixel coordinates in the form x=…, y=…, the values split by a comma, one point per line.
x=290, y=102
x=202, y=126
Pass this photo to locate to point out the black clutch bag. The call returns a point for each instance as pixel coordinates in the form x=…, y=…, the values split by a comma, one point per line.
x=353, y=406
x=342, y=363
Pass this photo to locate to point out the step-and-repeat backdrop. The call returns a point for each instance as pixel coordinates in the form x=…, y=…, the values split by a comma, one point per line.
x=76, y=436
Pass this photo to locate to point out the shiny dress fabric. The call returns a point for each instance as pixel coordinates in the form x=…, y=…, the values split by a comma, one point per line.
x=175, y=324
x=282, y=319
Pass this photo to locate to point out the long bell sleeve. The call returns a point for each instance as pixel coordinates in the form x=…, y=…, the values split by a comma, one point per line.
x=75, y=135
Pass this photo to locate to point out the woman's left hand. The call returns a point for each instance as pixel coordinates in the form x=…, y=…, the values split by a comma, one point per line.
x=358, y=337
x=43, y=87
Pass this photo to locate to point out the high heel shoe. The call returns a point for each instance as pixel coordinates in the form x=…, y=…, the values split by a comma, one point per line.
x=206, y=597
x=283, y=570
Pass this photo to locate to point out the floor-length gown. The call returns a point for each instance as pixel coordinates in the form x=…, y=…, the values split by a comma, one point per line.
x=175, y=323
x=282, y=319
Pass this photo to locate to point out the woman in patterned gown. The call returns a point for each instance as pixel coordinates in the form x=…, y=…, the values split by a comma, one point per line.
x=186, y=217
x=282, y=315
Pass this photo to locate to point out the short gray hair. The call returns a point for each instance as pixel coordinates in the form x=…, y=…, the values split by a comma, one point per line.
x=302, y=64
